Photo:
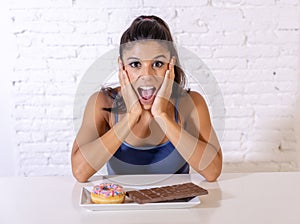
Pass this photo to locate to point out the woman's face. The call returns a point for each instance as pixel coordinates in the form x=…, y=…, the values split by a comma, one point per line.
x=146, y=64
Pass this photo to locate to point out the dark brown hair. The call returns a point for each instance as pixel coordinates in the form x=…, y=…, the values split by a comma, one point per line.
x=152, y=28
x=149, y=28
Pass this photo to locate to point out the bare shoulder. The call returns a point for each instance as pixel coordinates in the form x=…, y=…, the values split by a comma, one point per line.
x=102, y=99
x=193, y=106
x=192, y=99
x=96, y=105
x=197, y=98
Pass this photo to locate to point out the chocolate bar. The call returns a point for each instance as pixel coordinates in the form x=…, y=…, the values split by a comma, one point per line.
x=166, y=193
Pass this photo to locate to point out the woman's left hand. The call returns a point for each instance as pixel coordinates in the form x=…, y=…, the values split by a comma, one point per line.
x=163, y=95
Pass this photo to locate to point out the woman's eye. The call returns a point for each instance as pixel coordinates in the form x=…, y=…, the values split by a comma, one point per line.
x=135, y=64
x=158, y=64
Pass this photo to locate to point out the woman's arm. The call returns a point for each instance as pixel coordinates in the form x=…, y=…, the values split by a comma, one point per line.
x=96, y=142
x=197, y=143
x=195, y=138
x=94, y=145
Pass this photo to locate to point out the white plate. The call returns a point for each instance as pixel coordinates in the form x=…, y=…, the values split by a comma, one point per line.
x=85, y=202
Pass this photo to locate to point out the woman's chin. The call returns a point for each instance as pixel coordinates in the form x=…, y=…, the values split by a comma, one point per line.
x=147, y=104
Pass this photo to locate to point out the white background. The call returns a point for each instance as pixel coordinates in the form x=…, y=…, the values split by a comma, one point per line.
x=7, y=149
x=252, y=48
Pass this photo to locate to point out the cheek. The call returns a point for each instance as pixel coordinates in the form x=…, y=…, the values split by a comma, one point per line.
x=162, y=71
x=132, y=75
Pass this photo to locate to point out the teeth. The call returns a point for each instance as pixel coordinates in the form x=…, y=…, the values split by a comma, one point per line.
x=146, y=87
x=146, y=92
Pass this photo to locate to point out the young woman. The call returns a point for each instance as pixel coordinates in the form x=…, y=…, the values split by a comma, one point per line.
x=150, y=124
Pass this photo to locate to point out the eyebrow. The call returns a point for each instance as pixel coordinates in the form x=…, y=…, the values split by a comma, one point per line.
x=159, y=56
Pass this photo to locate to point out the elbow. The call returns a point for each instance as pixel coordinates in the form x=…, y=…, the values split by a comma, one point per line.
x=80, y=179
x=79, y=176
x=211, y=178
x=213, y=171
x=80, y=169
x=212, y=174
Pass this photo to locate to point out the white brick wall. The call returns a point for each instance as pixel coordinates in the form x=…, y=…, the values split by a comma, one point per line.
x=252, y=48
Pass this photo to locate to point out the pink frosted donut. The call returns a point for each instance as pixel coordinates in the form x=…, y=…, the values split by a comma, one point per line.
x=108, y=193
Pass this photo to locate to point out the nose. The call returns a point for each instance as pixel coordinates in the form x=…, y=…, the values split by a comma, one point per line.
x=147, y=70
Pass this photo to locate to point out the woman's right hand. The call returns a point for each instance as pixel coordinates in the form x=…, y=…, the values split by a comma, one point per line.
x=134, y=109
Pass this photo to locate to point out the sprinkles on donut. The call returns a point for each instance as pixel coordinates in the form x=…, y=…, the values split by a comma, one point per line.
x=108, y=193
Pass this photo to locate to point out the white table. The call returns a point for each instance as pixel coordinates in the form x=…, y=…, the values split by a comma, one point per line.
x=234, y=198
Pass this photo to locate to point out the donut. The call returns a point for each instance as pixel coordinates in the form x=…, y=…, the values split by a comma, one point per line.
x=108, y=193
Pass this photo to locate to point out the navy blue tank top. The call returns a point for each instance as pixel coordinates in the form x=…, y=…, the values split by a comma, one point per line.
x=160, y=159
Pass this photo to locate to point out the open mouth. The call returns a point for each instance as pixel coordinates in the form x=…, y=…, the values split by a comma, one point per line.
x=146, y=92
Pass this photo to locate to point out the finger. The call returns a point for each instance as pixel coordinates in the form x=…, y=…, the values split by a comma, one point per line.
x=121, y=78
x=125, y=78
x=121, y=65
x=166, y=87
x=125, y=83
x=168, y=81
x=167, y=75
x=173, y=60
x=120, y=75
x=121, y=69
x=129, y=95
x=172, y=66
